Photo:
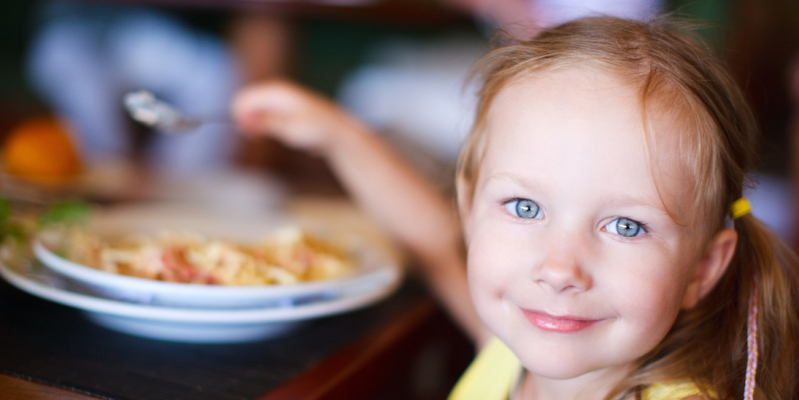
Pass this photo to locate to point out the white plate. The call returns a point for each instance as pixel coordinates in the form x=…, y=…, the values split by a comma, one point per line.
x=371, y=265
x=171, y=294
x=193, y=325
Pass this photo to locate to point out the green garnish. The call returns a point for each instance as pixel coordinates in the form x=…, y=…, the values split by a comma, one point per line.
x=5, y=211
x=66, y=212
x=9, y=227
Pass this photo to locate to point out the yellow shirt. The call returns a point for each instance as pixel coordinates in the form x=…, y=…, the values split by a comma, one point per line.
x=494, y=372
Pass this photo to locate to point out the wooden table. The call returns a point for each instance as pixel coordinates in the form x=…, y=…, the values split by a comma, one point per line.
x=379, y=359
x=403, y=347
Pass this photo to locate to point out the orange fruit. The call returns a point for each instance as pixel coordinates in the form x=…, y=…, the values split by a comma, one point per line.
x=40, y=149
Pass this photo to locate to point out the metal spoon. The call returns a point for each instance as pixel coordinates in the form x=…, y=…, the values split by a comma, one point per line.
x=145, y=108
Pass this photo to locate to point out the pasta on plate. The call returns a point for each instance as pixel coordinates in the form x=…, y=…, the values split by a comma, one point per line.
x=289, y=256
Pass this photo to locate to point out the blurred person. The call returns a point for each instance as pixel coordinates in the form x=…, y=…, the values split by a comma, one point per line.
x=85, y=56
x=264, y=43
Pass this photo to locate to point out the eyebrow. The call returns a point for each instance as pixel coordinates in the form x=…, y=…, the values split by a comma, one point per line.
x=515, y=179
x=537, y=187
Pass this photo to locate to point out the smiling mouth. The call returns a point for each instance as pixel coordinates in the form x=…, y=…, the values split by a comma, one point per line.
x=565, y=324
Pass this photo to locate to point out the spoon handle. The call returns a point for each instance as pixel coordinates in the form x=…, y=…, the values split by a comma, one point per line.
x=155, y=113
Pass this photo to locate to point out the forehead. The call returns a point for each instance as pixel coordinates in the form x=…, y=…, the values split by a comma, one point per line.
x=570, y=98
x=582, y=125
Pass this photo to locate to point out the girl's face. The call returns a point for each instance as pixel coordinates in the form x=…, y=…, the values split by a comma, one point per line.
x=573, y=259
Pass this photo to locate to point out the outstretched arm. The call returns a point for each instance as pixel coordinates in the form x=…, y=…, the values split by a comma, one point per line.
x=387, y=187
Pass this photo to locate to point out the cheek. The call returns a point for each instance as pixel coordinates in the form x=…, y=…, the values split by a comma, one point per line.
x=483, y=271
x=493, y=250
x=650, y=294
x=491, y=266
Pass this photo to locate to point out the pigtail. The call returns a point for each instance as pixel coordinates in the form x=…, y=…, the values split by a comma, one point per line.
x=708, y=343
x=765, y=260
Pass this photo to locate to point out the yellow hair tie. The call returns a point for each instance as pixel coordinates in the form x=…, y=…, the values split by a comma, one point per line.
x=740, y=208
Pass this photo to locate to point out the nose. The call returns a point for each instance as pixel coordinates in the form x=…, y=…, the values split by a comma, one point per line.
x=561, y=270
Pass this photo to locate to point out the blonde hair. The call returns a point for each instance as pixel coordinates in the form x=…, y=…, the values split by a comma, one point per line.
x=680, y=80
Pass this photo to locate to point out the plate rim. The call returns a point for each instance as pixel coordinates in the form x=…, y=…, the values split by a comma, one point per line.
x=89, y=303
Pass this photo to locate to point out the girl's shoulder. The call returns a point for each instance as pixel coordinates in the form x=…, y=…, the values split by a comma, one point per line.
x=672, y=391
x=491, y=376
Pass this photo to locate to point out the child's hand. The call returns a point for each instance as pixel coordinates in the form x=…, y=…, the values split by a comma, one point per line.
x=295, y=116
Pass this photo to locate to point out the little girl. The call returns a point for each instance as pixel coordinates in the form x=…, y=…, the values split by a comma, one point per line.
x=610, y=252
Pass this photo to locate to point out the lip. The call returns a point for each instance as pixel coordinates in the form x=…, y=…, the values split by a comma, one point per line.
x=560, y=324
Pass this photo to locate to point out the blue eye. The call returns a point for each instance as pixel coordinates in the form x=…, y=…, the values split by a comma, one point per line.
x=523, y=208
x=625, y=227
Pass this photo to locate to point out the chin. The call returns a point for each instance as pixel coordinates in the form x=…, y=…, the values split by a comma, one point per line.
x=559, y=372
x=559, y=367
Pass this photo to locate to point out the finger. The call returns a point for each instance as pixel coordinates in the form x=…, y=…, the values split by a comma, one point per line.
x=252, y=124
x=251, y=108
x=281, y=127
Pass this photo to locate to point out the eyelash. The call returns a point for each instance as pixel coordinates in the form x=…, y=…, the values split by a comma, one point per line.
x=506, y=203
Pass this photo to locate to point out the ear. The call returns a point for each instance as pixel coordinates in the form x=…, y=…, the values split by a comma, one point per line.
x=711, y=267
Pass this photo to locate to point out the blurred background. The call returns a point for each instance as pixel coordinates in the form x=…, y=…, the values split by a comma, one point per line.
x=398, y=64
